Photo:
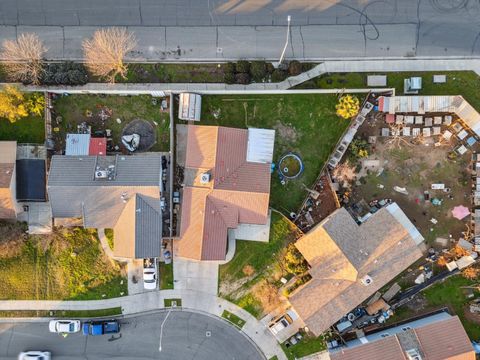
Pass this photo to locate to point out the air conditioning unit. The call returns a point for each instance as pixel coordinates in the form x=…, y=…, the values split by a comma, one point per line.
x=204, y=178
x=101, y=174
x=366, y=280
x=413, y=354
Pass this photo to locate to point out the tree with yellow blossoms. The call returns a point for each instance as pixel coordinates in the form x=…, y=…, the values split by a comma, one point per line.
x=15, y=105
x=348, y=106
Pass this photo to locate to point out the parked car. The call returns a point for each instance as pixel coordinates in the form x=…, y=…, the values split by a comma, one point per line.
x=283, y=322
x=34, y=355
x=64, y=326
x=150, y=274
x=101, y=327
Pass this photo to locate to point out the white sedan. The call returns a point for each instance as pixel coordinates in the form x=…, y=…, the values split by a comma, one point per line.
x=34, y=355
x=64, y=326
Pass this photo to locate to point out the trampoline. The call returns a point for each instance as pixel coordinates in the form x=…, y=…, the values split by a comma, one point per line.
x=148, y=135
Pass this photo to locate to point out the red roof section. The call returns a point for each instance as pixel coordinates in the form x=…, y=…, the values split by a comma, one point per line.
x=98, y=146
x=239, y=194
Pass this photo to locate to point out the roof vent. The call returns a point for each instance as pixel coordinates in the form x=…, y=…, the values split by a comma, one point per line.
x=204, y=178
x=101, y=174
x=366, y=280
x=413, y=354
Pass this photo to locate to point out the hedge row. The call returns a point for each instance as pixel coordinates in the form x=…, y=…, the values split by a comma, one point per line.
x=245, y=72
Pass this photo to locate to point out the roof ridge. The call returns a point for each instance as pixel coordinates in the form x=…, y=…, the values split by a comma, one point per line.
x=211, y=200
x=146, y=201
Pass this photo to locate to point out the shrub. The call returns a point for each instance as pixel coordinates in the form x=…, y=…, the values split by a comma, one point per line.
x=229, y=67
x=294, y=68
x=15, y=105
x=242, y=78
x=348, y=106
x=65, y=73
x=243, y=66
x=293, y=261
x=229, y=78
x=258, y=70
x=270, y=68
x=279, y=75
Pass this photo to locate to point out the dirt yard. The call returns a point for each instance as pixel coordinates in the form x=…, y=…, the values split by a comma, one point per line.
x=416, y=167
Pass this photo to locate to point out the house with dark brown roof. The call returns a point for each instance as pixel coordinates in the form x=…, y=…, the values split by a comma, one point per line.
x=437, y=337
x=349, y=262
x=227, y=183
x=8, y=157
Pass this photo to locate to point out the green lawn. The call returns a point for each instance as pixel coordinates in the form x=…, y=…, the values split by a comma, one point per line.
x=174, y=73
x=67, y=264
x=166, y=276
x=168, y=302
x=465, y=83
x=63, y=313
x=234, y=319
x=450, y=293
x=264, y=258
x=308, y=345
x=73, y=109
x=305, y=124
x=30, y=129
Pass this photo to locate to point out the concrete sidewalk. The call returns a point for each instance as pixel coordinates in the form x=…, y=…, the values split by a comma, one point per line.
x=149, y=301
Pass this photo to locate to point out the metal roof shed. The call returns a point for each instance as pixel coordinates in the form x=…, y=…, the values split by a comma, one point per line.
x=190, y=107
x=260, y=145
x=31, y=180
x=77, y=144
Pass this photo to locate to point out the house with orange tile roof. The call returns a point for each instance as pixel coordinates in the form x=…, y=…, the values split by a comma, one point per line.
x=349, y=262
x=227, y=183
x=8, y=202
x=436, y=337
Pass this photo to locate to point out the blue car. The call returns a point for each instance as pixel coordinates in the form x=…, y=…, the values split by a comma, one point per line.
x=101, y=327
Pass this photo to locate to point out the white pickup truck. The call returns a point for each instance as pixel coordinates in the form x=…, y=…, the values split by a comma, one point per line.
x=283, y=322
x=150, y=271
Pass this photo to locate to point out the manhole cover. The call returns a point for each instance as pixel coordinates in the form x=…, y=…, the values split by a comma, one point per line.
x=219, y=50
x=208, y=333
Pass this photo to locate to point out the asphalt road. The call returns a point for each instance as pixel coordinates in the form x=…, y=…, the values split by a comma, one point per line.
x=184, y=337
x=227, y=29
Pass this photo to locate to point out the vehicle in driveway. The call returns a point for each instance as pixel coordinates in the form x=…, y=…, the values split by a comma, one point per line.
x=96, y=328
x=150, y=273
x=35, y=355
x=283, y=322
x=64, y=326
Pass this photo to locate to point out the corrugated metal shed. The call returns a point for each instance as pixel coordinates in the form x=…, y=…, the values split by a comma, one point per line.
x=260, y=145
x=77, y=144
x=190, y=107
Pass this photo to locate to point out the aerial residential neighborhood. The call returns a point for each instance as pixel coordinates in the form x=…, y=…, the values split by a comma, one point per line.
x=242, y=179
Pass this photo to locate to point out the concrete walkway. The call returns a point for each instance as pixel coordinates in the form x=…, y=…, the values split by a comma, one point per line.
x=149, y=301
x=104, y=242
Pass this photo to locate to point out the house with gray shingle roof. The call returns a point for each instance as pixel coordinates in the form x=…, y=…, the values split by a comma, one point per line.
x=119, y=192
x=349, y=262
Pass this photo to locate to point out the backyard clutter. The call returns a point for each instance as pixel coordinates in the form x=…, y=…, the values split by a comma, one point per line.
x=112, y=116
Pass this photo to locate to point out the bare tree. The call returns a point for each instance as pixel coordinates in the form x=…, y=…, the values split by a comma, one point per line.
x=23, y=58
x=105, y=52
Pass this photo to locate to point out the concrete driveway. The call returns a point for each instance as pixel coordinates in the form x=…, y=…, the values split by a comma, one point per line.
x=194, y=275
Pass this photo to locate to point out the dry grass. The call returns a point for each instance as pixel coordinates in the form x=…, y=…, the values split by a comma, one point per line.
x=105, y=52
x=24, y=58
x=12, y=237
